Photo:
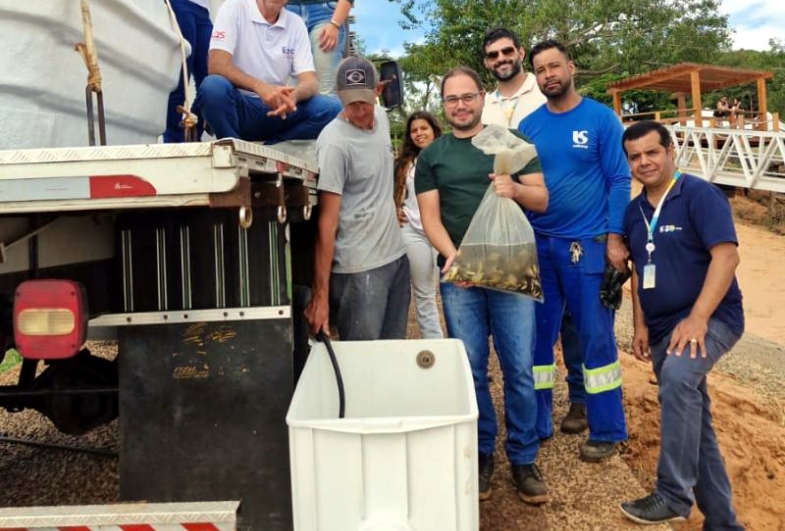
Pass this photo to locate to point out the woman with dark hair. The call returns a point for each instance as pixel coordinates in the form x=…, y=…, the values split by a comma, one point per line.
x=421, y=130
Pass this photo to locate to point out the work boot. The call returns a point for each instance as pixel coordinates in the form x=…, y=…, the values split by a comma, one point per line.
x=575, y=421
x=486, y=472
x=596, y=451
x=653, y=509
x=530, y=484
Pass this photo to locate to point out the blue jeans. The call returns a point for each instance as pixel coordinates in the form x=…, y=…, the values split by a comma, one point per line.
x=372, y=304
x=232, y=113
x=473, y=314
x=690, y=466
x=573, y=280
x=195, y=25
x=316, y=17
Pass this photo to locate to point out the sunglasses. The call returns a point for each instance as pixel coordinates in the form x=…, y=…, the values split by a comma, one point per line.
x=508, y=50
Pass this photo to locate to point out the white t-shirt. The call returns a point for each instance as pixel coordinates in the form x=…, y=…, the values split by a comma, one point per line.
x=410, y=206
x=270, y=52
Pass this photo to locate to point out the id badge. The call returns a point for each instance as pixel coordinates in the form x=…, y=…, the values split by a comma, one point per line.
x=648, y=276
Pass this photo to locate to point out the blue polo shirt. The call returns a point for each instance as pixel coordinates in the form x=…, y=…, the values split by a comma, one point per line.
x=696, y=216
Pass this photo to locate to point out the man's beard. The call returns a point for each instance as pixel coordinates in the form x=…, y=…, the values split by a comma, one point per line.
x=517, y=66
x=557, y=92
x=476, y=117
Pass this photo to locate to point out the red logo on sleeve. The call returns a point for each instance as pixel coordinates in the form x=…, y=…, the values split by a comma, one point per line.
x=219, y=35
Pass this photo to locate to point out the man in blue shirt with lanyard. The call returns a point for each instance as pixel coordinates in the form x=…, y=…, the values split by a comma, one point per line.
x=578, y=141
x=687, y=313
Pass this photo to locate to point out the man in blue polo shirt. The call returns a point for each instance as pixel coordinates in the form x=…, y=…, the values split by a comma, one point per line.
x=687, y=313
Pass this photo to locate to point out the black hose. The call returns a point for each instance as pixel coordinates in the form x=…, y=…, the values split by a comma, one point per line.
x=95, y=451
x=324, y=338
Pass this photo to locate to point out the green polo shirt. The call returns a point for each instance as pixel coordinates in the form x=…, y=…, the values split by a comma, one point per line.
x=459, y=171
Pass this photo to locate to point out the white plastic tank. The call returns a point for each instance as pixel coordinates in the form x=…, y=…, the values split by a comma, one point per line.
x=404, y=458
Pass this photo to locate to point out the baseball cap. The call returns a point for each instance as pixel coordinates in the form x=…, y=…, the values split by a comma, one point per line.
x=356, y=80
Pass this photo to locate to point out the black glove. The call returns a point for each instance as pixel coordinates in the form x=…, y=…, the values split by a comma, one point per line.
x=610, y=290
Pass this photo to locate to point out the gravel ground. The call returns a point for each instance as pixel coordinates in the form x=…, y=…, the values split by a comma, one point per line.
x=45, y=476
x=583, y=496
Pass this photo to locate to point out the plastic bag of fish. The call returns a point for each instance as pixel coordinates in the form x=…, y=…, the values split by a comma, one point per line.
x=498, y=250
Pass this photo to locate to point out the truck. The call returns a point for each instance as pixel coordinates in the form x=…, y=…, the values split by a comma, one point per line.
x=193, y=257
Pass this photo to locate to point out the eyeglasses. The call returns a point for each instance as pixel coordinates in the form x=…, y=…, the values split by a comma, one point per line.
x=451, y=101
x=507, y=50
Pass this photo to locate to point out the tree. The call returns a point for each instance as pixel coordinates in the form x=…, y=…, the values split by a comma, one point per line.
x=620, y=37
x=773, y=61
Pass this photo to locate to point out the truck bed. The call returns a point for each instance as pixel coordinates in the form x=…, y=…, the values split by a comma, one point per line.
x=217, y=174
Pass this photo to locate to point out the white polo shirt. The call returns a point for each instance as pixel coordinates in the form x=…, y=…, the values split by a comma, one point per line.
x=270, y=52
x=508, y=112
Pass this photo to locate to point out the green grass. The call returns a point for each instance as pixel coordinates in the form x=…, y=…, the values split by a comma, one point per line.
x=12, y=359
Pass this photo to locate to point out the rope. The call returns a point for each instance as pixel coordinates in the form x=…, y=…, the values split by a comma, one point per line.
x=87, y=50
x=189, y=119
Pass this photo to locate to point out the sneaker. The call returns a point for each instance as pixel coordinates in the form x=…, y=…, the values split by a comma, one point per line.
x=596, y=451
x=530, y=484
x=650, y=510
x=575, y=421
x=486, y=472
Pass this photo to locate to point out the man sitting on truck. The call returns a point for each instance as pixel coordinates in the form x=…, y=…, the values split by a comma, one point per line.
x=256, y=46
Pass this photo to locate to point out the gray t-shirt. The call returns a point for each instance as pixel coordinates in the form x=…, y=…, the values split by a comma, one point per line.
x=358, y=165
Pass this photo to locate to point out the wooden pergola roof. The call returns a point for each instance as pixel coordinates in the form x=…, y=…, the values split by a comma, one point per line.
x=691, y=79
x=678, y=78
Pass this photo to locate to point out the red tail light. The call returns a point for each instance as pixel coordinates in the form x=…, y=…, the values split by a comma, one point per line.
x=50, y=318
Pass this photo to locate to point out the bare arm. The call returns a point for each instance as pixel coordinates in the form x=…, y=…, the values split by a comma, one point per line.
x=317, y=312
x=328, y=36
x=307, y=86
x=724, y=260
x=640, y=336
x=431, y=217
x=616, y=252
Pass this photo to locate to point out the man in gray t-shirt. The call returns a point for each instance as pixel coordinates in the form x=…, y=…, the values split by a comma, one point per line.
x=361, y=272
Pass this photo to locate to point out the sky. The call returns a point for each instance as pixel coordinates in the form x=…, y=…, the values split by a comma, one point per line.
x=754, y=22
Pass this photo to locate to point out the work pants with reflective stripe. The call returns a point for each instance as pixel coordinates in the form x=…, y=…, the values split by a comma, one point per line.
x=572, y=272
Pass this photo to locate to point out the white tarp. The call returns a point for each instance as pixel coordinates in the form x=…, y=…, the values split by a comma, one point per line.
x=42, y=87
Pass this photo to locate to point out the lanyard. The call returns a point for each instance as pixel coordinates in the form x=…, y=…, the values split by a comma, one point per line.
x=651, y=226
x=508, y=113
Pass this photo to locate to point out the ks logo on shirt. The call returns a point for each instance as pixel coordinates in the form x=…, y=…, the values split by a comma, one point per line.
x=580, y=139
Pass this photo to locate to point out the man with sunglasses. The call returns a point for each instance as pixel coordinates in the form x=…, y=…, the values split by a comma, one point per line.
x=451, y=178
x=516, y=96
x=517, y=93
